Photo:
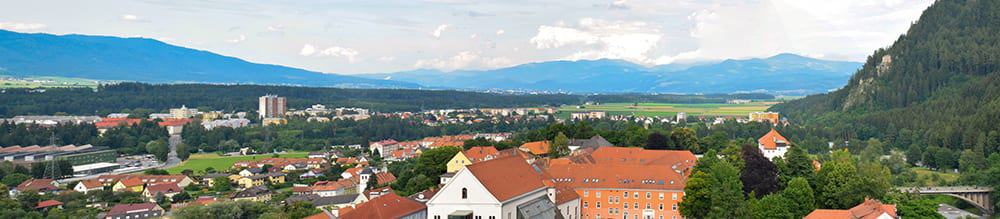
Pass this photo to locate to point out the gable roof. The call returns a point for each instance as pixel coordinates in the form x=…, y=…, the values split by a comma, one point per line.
x=385, y=206
x=91, y=183
x=872, y=208
x=48, y=203
x=126, y=208
x=828, y=214
x=164, y=188
x=384, y=178
x=130, y=182
x=507, y=177
x=481, y=153
x=640, y=156
x=617, y=176
x=536, y=147
x=37, y=185
x=593, y=142
x=772, y=139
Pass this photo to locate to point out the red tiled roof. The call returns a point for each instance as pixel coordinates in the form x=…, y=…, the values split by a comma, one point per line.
x=385, y=206
x=384, y=178
x=481, y=153
x=124, y=208
x=617, y=176
x=174, y=122
x=164, y=188
x=114, y=122
x=772, y=139
x=507, y=177
x=131, y=181
x=537, y=147
x=829, y=214
x=565, y=194
x=639, y=156
x=37, y=185
x=48, y=203
x=321, y=215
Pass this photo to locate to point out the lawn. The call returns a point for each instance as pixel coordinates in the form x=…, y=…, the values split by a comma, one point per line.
x=198, y=162
x=929, y=176
x=670, y=109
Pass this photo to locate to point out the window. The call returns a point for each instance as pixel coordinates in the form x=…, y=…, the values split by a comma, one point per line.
x=661, y=207
x=626, y=205
x=479, y=217
x=661, y=196
x=584, y=204
x=626, y=195
x=611, y=199
x=598, y=194
x=673, y=196
x=465, y=193
x=649, y=195
x=611, y=210
x=437, y=216
x=598, y=205
x=617, y=200
x=635, y=194
x=647, y=206
x=493, y=217
x=586, y=193
x=636, y=205
x=674, y=207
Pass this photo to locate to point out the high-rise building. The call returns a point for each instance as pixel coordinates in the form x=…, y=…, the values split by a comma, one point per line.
x=271, y=106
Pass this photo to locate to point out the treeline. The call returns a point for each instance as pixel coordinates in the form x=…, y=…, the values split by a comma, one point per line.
x=139, y=98
x=126, y=139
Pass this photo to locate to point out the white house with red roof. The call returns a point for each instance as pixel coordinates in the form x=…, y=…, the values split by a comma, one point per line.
x=773, y=144
x=496, y=189
x=384, y=147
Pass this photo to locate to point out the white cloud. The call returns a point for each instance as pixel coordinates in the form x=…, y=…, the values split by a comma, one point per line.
x=276, y=28
x=132, y=18
x=619, y=4
x=473, y=36
x=387, y=58
x=437, y=32
x=500, y=32
x=12, y=26
x=596, y=38
x=333, y=51
x=307, y=50
x=464, y=60
x=238, y=39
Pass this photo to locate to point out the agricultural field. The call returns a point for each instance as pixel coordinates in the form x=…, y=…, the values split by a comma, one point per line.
x=45, y=82
x=669, y=109
x=198, y=162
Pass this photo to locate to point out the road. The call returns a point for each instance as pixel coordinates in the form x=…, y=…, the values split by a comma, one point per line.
x=172, y=159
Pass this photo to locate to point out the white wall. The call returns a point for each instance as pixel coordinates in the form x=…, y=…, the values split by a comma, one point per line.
x=449, y=199
x=510, y=207
x=570, y=209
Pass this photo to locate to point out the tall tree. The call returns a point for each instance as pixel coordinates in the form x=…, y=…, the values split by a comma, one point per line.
x=559, y=146
x=685, y=138
x=800, y=197
x=697, y=196
x=658, y=141
x=835, y=184
x=770, y=206
x=726, y=192
x=759, y=175
x=797, y=164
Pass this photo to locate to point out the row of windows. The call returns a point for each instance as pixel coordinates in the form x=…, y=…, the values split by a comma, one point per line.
x=649, y=195
x=635, y=205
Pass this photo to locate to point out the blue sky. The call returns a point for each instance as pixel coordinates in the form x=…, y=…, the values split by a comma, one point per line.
x=352, y=37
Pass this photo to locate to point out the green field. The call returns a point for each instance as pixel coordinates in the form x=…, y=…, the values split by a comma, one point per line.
x=669, y=109
x=45, y=82
x=198, y=162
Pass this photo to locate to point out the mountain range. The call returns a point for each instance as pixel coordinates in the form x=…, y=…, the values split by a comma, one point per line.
x=779, y=74
x=149, y=60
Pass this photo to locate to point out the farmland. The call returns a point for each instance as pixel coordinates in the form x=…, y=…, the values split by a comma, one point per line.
x=669, y=109
x=45, y=82
x=198, y=162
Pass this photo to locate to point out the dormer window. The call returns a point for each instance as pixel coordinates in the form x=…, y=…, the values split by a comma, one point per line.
x=465, y=193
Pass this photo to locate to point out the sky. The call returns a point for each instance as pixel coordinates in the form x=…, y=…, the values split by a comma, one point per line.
x=375, y=36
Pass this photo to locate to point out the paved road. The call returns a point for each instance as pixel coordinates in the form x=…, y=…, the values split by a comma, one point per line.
x=172, y=159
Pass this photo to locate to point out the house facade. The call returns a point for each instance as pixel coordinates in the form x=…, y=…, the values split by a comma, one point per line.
x=500, y=188
x=773, y=144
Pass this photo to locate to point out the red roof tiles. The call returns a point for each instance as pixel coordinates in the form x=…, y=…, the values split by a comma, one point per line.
x=482, y=153
x=537, y=147
x=772, y=140
x=385, y=206
x=507, y=177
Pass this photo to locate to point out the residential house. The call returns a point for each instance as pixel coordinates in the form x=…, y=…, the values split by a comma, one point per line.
x=329, y=202
x=168, y=190
x=135, y=211
x=334, y=188
x=133, y=184
x=388, y=206
x=250, y=171
x=252, y=181
x=209, y=179
x=383, y=147
x=537, y=148
x=311, y=174
x=257, y=194
x=181, y=180
x=317, y=154
x=869, y=209
x=473, y=155
x=592, y=143
x=773, y=144
x=500, y=188
x=87, y=186
x=45, y=205
x=384, y=178
x=41, y=186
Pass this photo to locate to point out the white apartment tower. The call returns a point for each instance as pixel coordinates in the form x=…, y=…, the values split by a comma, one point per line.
x=271, y=106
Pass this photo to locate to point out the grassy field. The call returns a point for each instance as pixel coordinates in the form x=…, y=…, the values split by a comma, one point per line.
x=929, y=175
x=198, y=162
x=670, y=109
x=44, y=82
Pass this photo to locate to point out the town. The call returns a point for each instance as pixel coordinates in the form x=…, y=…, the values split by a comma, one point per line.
x=470, y=175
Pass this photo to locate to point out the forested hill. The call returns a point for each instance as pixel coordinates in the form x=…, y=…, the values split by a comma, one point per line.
x=939, y=81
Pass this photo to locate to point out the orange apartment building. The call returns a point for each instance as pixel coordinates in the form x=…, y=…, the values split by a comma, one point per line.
x=626, y=183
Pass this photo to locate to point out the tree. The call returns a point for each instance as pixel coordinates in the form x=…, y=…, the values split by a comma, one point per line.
x=835, y=184
x=156, y=172
x=770, y=206
x=759, y=175
x=873, y=151
x=697, y=201
x=800, y=197
x=182, y=151
x=914, y=154
x=12, y=180
x=658, y=141
x=159, y=148
x=971, y=161
x=559, y=146
x=221, y=184
x=797, y=164
x=726, y=192
x=685, y=138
